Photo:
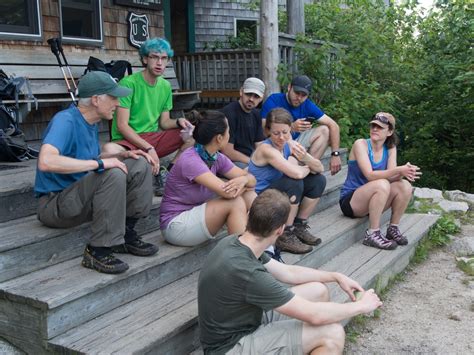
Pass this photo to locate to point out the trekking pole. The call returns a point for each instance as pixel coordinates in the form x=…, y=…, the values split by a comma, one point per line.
x=60, y=48
x=54, y=48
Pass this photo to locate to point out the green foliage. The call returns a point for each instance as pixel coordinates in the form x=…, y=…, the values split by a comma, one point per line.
x=421, y=69
x=439, y=236
x=245, y=40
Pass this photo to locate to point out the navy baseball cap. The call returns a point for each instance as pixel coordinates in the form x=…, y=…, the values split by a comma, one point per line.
x=301, y=83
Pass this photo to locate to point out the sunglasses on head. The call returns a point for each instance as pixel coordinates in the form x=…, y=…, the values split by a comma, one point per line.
x=381, y=118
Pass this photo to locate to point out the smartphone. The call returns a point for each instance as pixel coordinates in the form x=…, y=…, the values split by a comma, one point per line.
x=310, y=119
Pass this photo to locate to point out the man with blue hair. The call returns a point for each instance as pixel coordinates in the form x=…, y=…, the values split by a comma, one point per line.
x=143, y=119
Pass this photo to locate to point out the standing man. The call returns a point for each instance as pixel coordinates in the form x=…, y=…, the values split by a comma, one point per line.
x=305, y=113
x=143, y=118
x=75, y=183
x=245, y=124
x=244, y=307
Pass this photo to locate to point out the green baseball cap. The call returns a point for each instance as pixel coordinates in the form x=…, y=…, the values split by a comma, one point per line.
x=99, y=83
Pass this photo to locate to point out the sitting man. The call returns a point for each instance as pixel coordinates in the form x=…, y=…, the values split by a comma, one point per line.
x=244, y=307
x=76, y=184
x=245, y=125
x=305, y=113
x=143, y=118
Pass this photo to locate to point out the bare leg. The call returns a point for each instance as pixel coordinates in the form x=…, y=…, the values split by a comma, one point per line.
x=307, y=207
x=324, y=339
x=231, y=212
x=248, y=197
x=400, y=195
x=371, y=199
x=319, y=141
x=292, y=215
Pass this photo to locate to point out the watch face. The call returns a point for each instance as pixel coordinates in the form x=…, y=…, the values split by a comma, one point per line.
x=335, y=154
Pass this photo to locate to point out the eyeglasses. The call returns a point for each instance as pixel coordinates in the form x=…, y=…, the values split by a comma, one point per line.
x=157, y=58
x=381, y=118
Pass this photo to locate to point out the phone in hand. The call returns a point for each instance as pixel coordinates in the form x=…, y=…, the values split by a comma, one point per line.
x=310, y=119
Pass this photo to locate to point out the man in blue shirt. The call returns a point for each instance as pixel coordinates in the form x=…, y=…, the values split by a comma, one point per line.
x=75, y=183
x=305, y=112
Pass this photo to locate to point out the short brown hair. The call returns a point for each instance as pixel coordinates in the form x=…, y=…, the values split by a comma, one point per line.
x=278, y=115
x=269, y=211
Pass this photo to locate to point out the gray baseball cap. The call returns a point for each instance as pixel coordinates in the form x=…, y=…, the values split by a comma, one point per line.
x=301, y=83
x=99, y=83
x=254, y=86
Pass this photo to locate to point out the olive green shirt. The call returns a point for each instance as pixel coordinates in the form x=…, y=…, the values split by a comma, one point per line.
x=234, y=290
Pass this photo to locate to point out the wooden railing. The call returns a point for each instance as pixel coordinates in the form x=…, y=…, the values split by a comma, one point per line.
x=220, y=74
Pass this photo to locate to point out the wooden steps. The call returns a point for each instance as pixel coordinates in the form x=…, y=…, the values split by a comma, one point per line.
x=49, y=303
x=140, y=326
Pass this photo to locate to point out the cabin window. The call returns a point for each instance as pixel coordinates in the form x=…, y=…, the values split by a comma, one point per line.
x=246, y=28
x=81, y=21
x=20, y=19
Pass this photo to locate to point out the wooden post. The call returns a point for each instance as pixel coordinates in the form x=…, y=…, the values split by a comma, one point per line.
x=295, y=13
x=269, y=41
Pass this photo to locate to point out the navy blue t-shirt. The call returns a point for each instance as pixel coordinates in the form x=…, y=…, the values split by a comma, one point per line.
x=307, y=109
x=70, y=133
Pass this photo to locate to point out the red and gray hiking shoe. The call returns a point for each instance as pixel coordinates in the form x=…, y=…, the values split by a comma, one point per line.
x=393, y=233
x=290, y=243
x=377, y=240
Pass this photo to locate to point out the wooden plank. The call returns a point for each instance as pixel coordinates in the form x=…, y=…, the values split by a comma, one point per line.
x=220, y=94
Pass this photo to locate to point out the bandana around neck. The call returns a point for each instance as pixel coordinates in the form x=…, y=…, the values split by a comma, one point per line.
x=205, y=156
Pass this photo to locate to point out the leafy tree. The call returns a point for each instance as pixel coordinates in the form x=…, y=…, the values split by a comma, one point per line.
x=392, y=59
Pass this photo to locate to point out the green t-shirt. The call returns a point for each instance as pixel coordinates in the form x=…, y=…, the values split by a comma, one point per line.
x=233, y=291
x=146, y=103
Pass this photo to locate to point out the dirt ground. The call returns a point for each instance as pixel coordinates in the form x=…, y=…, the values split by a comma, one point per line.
x=430, y=312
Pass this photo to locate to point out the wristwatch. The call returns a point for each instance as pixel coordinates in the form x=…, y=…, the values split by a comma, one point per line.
x=336, y=153
x=100, y=168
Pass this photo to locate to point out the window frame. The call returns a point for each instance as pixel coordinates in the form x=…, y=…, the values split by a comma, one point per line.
x=83, y=40
x=250, y=20
x=36, y=25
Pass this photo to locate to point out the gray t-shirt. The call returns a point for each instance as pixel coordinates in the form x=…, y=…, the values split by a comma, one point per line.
x=233, y=291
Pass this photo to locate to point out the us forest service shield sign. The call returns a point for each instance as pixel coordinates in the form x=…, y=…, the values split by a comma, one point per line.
x=137, y=29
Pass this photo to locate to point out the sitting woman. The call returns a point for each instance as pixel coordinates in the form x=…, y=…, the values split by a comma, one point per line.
x=284, y=164
x=375, y=183
x=196, y=202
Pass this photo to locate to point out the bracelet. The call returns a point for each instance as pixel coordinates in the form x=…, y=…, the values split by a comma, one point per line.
x=177, y=123
x=148, y=149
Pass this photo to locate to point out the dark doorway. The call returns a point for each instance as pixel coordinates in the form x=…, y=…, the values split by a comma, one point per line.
x=179, y=26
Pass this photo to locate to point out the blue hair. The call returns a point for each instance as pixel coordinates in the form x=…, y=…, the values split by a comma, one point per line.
x=156, y=44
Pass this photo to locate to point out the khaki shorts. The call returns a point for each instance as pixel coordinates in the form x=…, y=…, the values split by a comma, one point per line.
x=278, y=334
x=188, y=228
x=305, y=138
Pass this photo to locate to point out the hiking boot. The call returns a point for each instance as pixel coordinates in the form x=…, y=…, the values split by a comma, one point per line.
x=160, y=181
x=103, y=260
x=377, y=240
x=289, y=242
x=301, y=231
x=276, y=255
x=393, y=233
x=136, y=247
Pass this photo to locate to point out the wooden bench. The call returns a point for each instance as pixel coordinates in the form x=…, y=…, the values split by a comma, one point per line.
x=48, y=84
x=217, y=98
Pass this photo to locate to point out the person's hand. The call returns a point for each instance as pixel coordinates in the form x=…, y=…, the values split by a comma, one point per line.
x=110, y=163
x=410, y=172
x=301, y=125
x=369, y=301
x=335, y=164
x=297, y=150
x=184, y=123
x=235, y=186
x=155, y=161
x=137, y=153
x=348, y=285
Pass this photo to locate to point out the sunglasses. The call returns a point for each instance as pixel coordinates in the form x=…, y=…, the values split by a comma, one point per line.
x=381, y=118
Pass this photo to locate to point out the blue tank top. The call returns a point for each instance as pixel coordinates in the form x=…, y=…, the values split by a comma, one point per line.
x=355, y=178
x=266, y=174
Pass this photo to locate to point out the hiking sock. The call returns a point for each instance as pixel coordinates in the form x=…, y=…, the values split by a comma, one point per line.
x=370, y=231
x=99, y=251
x=130, y=234
x=300, y=220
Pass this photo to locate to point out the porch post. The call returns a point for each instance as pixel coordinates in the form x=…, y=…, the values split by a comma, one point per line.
x=269, y=40
x=295, y=11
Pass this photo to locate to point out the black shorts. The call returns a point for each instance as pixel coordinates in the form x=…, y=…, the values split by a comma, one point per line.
x=345, y=204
